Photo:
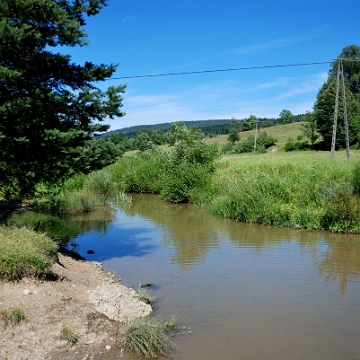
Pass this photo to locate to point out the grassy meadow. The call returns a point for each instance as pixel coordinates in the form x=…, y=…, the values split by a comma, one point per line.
x=281, y=132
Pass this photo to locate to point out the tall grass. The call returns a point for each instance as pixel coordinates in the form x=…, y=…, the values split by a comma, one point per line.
x=24, y=252
x=147, y=336
x=312, y=192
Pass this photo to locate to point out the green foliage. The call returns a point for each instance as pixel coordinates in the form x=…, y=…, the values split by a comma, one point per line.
x=325, y=102
x=49, y=106
x=289, y=146
x=285, y=117
x=227, y=148
x=245, y=146
x=351, y=68
x=178, y=174
x=324, y=115
x=249, y=124
x=24, y=252
x=309, y=128
x=266, y=140
x=233, y=136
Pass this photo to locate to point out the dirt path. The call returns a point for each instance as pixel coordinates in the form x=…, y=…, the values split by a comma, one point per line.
x=79, y=298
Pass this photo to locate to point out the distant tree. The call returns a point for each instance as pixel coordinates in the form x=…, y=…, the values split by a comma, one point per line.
x=309, y=128
x=236, y=125
x=233, y=136
x=180, y=132
x=49, y=106
x=286, y=117
x=143, y=141
x=249, y=123
x=351, y=69
x=324, y=109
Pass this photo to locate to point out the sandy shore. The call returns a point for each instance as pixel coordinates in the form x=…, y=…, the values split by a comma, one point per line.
x=89, y=300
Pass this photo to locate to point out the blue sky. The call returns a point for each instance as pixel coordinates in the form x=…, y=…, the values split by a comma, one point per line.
x=164, y=36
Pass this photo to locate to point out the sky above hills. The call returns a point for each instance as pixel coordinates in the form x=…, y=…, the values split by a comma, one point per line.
x=147, y=37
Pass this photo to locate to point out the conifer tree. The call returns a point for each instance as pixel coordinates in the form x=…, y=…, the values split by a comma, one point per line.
x=49, y=106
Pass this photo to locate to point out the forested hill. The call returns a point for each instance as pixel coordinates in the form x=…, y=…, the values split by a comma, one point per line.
x=208, y=127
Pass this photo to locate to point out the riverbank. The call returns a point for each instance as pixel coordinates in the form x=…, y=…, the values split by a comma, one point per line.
x=77, y=297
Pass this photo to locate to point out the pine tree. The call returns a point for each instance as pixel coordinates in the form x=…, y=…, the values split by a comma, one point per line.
x=49, y=106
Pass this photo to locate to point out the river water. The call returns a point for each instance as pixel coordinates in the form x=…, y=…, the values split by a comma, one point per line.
x=240, y=291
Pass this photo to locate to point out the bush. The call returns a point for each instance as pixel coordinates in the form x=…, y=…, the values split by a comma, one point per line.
x=244, y=146
x=289, y=146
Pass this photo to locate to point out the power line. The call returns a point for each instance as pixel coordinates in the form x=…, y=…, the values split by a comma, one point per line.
x=219, y=70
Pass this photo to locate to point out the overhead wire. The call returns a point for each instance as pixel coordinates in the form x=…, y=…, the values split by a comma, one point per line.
x=218, y=70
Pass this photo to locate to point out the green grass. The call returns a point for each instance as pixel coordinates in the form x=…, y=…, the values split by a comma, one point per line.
x=24, y=252
x=67, y=334
x=281, y=132
x=13, y=316
x=148, y=336
x=298, y=189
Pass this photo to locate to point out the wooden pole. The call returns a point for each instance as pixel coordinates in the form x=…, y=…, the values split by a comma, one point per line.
x=256, y=130
x=333, y=140
x=345, y=113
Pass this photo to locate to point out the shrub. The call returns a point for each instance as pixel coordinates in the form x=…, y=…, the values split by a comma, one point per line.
x=289, y=146
x=244, y=146
x=226, y=148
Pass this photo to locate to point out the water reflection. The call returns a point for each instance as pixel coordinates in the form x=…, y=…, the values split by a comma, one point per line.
x=193, y=232
x=341, y=261
x=65, y=227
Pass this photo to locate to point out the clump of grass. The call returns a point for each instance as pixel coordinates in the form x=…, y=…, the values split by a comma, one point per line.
x=25, y=252
x=67, y=334
x=171, y=323
x=147, y=336
x=13, y=316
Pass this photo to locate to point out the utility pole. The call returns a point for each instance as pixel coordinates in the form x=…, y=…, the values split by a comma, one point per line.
x=257, y=131
x=340, y=72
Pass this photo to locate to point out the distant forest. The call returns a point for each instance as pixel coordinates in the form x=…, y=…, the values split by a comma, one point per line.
x=210, y=128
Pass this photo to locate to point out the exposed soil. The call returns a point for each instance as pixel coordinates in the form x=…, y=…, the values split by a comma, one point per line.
x=83, y=296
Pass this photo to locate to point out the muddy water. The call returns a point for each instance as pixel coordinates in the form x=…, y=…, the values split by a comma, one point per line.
x=240, y=291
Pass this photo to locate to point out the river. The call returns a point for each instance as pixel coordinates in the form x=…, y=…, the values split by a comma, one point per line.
x=240, y=291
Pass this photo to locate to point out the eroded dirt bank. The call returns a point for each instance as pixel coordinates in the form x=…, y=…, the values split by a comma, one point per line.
x=79, y=298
